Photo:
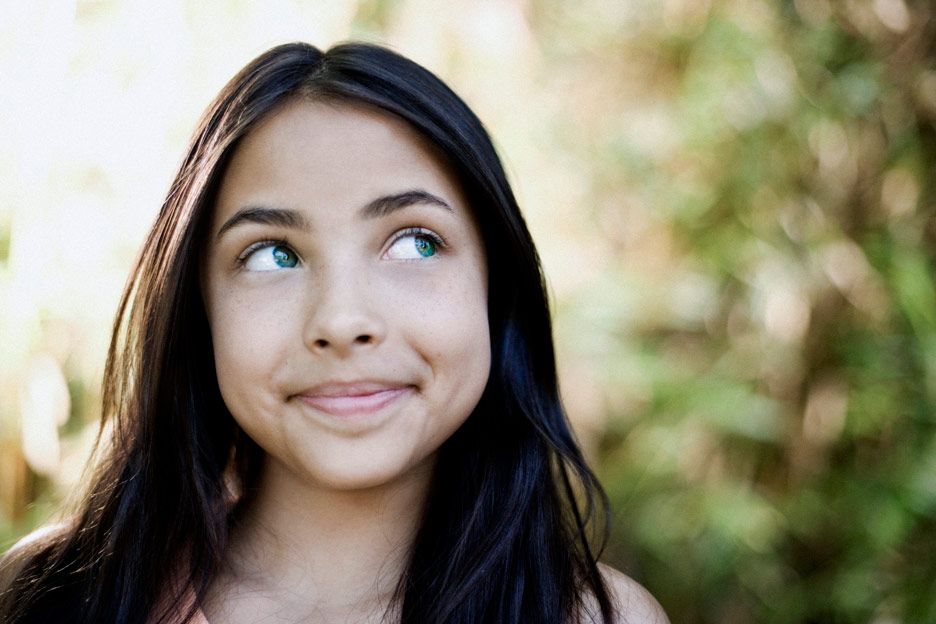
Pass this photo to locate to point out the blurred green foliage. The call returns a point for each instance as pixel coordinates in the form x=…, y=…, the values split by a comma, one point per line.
x=771, y=442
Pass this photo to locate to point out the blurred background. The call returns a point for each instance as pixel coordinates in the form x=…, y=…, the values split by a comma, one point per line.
x=734, y=202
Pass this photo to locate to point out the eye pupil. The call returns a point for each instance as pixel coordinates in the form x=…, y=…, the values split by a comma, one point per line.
x=284, y=257
x=424, y=246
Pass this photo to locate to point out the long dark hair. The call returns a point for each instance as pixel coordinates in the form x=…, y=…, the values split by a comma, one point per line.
x=515, y=518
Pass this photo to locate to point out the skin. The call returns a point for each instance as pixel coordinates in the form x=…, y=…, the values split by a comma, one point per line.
x=349, y=354
x=349, y=350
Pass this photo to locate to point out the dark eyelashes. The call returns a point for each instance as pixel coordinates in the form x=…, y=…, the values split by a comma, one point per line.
x=242, y=258
x=417, y=231
x=273, y=242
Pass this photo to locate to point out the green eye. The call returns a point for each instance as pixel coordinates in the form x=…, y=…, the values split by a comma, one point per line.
x=271, y=257
x=414, y=244
x=284, y=257
x=424, y=246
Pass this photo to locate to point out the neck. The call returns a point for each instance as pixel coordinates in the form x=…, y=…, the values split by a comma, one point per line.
x=339, y=553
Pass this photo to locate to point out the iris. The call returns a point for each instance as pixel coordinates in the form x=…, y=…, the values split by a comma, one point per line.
x=424, y=246
x=284, y=257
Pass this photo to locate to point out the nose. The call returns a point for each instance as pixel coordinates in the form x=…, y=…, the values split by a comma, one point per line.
x=342, y=315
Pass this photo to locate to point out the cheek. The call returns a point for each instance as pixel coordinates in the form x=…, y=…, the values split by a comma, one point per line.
x=245, y=348
x=456, y=338
x=245, y=338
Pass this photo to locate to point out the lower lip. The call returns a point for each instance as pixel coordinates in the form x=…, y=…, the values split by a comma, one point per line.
x=348, y=406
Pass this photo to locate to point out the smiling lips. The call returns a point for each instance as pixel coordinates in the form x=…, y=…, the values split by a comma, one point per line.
x=345, y=400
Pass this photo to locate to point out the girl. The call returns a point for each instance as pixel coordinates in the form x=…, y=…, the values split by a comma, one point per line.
x=331, y=393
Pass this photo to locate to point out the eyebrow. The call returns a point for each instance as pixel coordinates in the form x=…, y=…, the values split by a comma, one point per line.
x=382, y=206
x=294, y=219
x=283, y=217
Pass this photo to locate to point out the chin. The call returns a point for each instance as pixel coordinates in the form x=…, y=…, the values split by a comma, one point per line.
x=366, y=474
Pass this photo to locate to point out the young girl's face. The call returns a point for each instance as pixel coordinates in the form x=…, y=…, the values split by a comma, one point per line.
x=345, y=283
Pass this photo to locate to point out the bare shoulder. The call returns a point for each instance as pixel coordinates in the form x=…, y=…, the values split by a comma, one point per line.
x=15, y=559
x=632, y=603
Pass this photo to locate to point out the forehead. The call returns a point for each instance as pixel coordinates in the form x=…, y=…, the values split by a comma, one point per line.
x=336, y=152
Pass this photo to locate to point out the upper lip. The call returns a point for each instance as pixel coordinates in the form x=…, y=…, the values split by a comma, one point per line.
x=361, y=387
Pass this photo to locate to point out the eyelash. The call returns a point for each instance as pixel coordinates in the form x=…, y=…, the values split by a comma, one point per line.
x=242, y=258
x=274, y=242
x=418, y=231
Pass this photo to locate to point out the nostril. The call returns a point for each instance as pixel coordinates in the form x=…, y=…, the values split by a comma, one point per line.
x=339, y=341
